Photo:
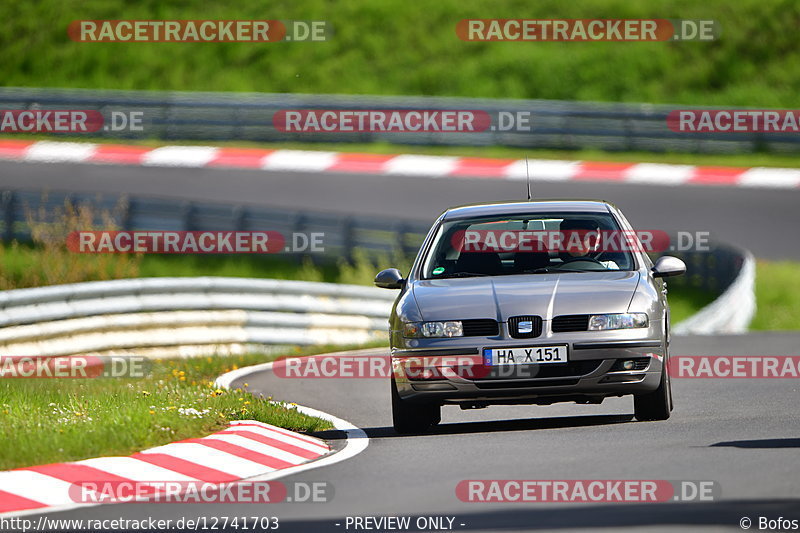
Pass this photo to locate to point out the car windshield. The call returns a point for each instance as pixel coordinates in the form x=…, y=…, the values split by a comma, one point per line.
x=538, y=243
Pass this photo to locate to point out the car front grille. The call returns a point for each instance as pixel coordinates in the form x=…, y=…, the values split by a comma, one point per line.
x=514, y=329
x=564, y=323
x=480, y=327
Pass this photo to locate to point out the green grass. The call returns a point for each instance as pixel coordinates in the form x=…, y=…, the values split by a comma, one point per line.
x=48, y=420
x=395, y=47
x=23, y=265
x=777, y=296
x=684, y=302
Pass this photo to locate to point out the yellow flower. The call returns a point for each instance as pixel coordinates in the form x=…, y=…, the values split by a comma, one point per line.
x=246, y=403
x=145, y=393
x=183, y=378
x=246, y=385
x=152, y=412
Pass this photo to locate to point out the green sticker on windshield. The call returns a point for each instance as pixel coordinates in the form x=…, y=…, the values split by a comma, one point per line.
x=438, y=270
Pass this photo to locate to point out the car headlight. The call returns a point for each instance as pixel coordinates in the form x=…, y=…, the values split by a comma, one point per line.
x=451, y=328
x=618, y=321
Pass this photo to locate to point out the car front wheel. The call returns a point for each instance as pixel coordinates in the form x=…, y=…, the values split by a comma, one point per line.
x=410, y=418
x=656, y=405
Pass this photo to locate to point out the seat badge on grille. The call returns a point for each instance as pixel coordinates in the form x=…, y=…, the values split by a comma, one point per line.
x=525, y=326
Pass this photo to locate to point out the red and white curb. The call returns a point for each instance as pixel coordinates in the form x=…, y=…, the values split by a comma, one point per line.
x=397, y=165
x=248, y=449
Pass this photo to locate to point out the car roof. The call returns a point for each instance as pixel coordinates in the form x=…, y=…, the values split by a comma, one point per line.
x=528, y=207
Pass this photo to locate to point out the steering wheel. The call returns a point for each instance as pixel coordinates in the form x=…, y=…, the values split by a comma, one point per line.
x=590, y=261
x=585, y=259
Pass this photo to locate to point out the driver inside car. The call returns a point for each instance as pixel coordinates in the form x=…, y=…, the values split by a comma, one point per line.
x=580, y=240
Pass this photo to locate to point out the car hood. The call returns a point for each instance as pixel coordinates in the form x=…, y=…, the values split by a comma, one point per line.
x=546, y=295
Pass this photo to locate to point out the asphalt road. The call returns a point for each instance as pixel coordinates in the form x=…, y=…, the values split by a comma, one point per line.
x=743, y=434
x=761, y=220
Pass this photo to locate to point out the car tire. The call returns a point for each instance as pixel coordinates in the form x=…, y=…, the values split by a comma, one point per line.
x=411, y=418
x=656, y=405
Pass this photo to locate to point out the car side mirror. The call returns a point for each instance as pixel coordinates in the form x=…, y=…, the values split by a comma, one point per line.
x=391, y=278
x=668, y=266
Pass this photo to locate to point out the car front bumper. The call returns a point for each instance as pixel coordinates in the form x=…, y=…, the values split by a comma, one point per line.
x=592, y=373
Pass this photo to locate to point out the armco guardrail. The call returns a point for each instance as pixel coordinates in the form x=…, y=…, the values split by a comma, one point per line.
x=186, y=316
x=248, y=116
x=732, y=311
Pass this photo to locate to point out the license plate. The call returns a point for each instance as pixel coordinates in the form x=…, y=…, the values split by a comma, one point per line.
x=525, y=355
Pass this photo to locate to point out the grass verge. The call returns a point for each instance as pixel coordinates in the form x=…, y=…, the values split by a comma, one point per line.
x=54, y=420
x=685, y=301
x=777, y=296
x=396, y=47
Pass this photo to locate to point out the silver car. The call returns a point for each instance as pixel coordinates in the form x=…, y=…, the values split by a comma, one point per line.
x=529, y=303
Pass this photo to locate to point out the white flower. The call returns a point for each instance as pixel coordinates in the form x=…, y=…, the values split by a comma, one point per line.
x=191, y=411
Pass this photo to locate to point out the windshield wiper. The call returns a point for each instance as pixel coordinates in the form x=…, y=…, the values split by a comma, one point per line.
x=461, y=275
x=550, y=270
